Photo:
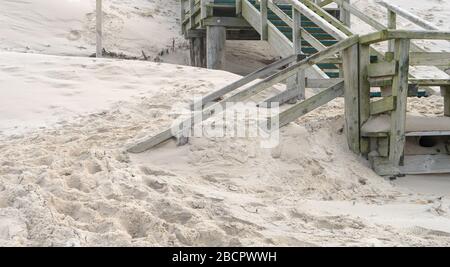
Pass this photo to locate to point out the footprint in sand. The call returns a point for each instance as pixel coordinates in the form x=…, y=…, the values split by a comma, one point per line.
x=156, y=185
x=74, y=35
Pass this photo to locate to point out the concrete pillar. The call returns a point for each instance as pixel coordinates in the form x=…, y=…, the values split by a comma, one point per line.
x=215, y=46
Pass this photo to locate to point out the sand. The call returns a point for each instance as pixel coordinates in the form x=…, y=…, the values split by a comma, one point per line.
x=65, y=179
x=73, y=185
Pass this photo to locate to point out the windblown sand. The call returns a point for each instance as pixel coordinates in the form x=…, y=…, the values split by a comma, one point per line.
x=65, y=179
x=72, y=184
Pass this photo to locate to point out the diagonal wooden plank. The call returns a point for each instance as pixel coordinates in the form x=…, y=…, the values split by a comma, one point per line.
x=309, y=104
x=147, y=143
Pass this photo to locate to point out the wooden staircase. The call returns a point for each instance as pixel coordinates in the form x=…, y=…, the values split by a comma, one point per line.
x=309, y=37
x=332, y=70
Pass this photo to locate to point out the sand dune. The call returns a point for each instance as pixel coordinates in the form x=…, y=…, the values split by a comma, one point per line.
x=65, y=179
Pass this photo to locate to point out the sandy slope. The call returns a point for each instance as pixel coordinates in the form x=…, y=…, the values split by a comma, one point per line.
x=66, y=27
x=73, y=185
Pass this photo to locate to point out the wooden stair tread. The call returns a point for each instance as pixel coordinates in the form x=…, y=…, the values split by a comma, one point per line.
x=418, y=164
x=415, y=126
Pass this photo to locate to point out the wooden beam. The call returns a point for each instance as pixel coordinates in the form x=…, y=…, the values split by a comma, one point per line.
x=364, y=95
x=321, y=22
x=445, y=92
x=182, y=14
x=400, y=90
x=149, y=142
x=417, y=164
x=383, y=105
x=99, y=28
x=238, y=7
x=345, y=14
x=298, y=82
x=361, y=15
x=279, y=42
x=264, y=20
x=350, y=57
x=322, y=83
x=228, y=22
x=430, y=82
x=245, y=80
x=215, y=47
x=327, y=17
x=385, y=35
x=251, y=14
x=382, y=69
x=308, y=105
x=409, y=16
x=191, y=14
x=289, y=21
x=392, y=25
x=430, y=59
x=325, y=3
x=205, y=9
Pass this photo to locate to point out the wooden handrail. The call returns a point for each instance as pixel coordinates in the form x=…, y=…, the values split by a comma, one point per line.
x=147, y=143
x=358, y=13
x=409, y=16
x=385, y=35
x=322, y=23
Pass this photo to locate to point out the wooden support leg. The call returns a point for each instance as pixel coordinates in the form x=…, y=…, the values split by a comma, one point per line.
x=351, y=80
x=264, y=20
x=445, y=91
x=400, y=90
x=364, y=94
x=192, y=52
x=215, y=46
x=345, y=15
x=295, y=86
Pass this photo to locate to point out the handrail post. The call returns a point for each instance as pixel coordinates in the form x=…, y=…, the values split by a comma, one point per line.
x=238, y=7
x=98, y=28
x=350, y=61
x=445, y=92
x=300, y=82
x=204, y=9
x=191, y=14
x=400, y=90
x=182, y=11
x=364, y=94
x=392, y=25
x=345, y=14
x=264, y=20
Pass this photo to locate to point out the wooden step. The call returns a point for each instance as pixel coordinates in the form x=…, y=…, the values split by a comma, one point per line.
x=417, y=164
x=379, y=126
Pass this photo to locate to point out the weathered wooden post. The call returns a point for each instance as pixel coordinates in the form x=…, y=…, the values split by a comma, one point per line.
x=345, y=14
x=238, y=7
x=182, y=16
x=364, y=94
x=350, y=57
x=297, y=83
x=98, y=28
x=392, y=25
x=215, y=46
x=445, y=92
x=197, y=43
x=205, y=10
x=400, y=91
x=191, y=14
x=264, y=20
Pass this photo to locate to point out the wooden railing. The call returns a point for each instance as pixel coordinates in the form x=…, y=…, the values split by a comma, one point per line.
x=393, y=74
x=392, y=13
x=290, y=114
